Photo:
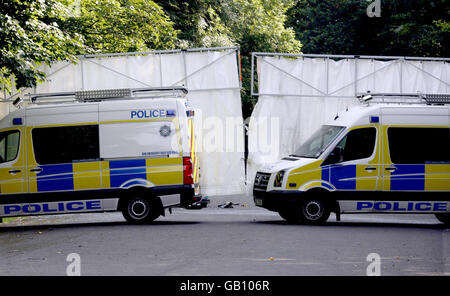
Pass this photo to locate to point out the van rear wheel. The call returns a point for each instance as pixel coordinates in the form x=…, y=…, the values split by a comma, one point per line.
x=444, y=218
x=140, y=210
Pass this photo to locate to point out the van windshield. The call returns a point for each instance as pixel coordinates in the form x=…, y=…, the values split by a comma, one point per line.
x=319, y=141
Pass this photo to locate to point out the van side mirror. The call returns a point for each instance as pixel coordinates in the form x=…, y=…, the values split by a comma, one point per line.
x=335, y=156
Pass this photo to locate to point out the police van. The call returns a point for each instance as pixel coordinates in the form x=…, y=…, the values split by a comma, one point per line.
x=389, y=154
x=129, y=150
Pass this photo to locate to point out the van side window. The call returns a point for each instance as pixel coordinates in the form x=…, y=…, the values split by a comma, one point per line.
x=417, y=145
x=9, y=145
x=66, y=144
x=358, y=144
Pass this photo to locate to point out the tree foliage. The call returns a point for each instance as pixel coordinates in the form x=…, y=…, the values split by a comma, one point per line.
x=259, y=26
x=198, y=22
x=405, y=28
x=36, y=32
x=122, y=25
x=253, y=25
x=30, y=35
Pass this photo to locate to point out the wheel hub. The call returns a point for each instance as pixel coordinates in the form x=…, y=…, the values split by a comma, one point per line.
x=138, y=208
x=313, y=210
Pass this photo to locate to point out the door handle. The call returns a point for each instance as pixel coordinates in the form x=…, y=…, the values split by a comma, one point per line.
x=36, y=170
x=391, y=168
x=369, y=168
x=13, y=172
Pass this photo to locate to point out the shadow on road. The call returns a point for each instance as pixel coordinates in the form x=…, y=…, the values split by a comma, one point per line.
x=89, y=224
x=360, y=224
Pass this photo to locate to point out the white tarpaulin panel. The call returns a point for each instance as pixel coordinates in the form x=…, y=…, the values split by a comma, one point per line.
x=297, y=95
x=212, y=79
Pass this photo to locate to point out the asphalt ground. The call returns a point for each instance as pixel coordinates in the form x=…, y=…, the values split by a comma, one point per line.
x=242, y=240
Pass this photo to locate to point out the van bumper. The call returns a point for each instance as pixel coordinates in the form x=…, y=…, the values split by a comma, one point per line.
x=276, y=200
x=186, y=192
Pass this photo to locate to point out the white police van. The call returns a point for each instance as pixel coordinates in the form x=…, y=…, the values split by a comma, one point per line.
x=130, y=150
x=391, y=154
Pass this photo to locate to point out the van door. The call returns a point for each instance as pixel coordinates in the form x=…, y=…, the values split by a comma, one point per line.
x=416, y=154
x=358, y=166
x=64, y=158
x=12, y=162
x=418, y=159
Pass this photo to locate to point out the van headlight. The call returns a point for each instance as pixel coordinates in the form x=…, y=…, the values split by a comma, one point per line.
x=278, y=179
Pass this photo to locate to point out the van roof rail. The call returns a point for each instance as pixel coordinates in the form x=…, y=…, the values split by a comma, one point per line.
x=107, y=94
x=402, y=98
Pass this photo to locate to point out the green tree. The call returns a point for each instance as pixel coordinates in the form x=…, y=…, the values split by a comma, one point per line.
x=259, y=26
x=405, y=28
x=30, y=35
x=199, y=22
x=254, y=25
x=122, y=25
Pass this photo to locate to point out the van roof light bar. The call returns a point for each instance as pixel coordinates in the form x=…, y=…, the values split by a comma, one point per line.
x=417, y=98
x=108, y=94
x=93, y=95
x=437, y=98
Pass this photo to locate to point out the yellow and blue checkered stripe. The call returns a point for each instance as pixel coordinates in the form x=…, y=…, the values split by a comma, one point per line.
x=409, y=177
x=108, y=174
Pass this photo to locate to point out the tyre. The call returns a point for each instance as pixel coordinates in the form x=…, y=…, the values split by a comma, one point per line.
x=314, y=212
x=444, y=218
x=291, y=215
x=141, y=210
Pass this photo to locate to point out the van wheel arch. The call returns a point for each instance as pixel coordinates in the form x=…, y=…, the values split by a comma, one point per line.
x=323, y=195
x=444, y=218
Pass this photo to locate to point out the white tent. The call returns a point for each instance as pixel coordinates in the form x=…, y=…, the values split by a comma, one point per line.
x=212, y=77
x=298, y=93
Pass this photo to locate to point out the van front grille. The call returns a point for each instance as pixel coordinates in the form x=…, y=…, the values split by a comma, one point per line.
x=261, y=181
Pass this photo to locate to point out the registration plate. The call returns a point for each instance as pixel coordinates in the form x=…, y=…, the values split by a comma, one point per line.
x=258, y=202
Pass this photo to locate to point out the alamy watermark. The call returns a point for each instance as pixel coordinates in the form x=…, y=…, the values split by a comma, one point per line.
x=374, y=8
x=217, y=134
x=74, y=267
x=374, y=268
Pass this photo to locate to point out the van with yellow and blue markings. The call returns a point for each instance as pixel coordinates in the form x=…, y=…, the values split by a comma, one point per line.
x=129, y=150
x=390, y=154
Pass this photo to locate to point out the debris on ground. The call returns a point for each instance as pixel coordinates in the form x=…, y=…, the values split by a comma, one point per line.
x=227, y=205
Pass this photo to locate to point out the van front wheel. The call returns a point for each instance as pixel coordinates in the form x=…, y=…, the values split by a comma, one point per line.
x=140, y=210
x=444, y=218
x=314, y=212
x=290, y=214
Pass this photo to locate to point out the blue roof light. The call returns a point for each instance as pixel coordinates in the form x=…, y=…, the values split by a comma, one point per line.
x=17, y=121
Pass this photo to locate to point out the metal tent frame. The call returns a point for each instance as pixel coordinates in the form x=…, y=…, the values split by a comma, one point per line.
x=327, y=93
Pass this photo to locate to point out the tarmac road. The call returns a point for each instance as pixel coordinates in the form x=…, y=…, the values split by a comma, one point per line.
x=239, y=241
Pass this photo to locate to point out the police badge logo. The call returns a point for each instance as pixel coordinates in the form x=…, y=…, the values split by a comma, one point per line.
x=165, y=131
